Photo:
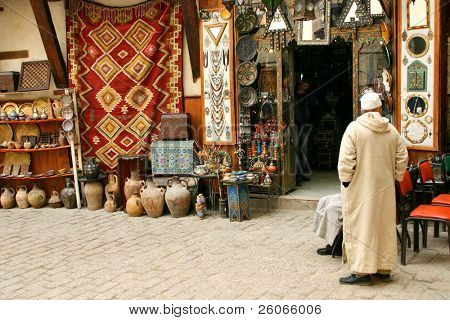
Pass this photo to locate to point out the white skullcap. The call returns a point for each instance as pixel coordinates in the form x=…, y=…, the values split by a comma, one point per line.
x=370, y=101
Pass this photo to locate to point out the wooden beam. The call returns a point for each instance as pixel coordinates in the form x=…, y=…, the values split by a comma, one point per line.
x=50, y=40
x=9, y=55
x=191, y=25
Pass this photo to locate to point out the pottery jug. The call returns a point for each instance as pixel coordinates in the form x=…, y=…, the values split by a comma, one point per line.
x=44, y=115
x=22, y=197
x=134, y=206
x=55, y=200
x=94, y=195
x=112, y=187
x=27, y=145
x=133, y=184
x=110, y=204
x=68, y=195
x=37, y=197
x=35, y=115
x=152, y=199
x=7, y=198
x=178, y=197
x=91, y=169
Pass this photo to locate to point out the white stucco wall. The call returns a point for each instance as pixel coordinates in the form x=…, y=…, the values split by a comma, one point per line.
x=18, y=31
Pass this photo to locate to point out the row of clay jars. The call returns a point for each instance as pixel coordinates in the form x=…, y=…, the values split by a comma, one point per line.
x=36, y=197
x=177, y=198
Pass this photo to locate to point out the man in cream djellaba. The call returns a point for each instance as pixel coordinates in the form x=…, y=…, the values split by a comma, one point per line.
x=372, y=157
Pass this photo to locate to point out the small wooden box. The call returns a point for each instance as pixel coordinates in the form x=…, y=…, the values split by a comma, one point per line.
x=175, y=126
x=9, y=81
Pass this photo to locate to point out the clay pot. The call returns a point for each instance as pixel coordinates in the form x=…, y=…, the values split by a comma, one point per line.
x=153, y=199
x=55, y=200
x=112, y=187
x=134, y=206
x=22, y=197
x=178, y=197
x=68, y=195
x=110, y=204
x=271, y=168
x=37, y=197
x=133, y=184
x=94, y=195
x=91, y=169
x=8, y=198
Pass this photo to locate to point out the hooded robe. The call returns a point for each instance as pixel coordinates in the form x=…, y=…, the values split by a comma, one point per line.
x=371, y=158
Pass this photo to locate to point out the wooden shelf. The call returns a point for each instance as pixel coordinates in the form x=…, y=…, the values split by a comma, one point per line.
x=39, y=178
x=32, y=121
x=31, y=95
x=34, y=150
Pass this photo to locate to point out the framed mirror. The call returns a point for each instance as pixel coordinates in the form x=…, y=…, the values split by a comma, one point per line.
x=375, y=9
x=417, y=45
x=416, y=105
x=317, y=31
x=418, y=14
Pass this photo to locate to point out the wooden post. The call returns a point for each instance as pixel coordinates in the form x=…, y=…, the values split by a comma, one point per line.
x=50, y=41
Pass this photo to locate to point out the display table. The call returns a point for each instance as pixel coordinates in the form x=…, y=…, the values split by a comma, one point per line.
x=238, y=200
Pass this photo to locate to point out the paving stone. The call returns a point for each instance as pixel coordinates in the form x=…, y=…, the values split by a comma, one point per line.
x=79, y=254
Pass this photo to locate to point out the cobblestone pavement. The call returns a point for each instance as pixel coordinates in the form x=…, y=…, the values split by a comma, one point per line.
x=78, y=254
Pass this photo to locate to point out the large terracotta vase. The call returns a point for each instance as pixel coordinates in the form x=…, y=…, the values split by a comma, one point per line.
x=68, y=195
x=134, y=206
x=22, y=197
x=37, y=197
x=112, y=187
x=153, y=199
x=94, y=195
x=133, y=184
x=178, y=197
x=8, y=198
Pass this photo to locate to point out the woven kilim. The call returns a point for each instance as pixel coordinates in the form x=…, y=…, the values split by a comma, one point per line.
x=173, y=157
x=126, y=63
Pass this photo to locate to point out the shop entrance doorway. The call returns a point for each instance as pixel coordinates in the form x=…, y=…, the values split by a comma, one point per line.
x=323, y=109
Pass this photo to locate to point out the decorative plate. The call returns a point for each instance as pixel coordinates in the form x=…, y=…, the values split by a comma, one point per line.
x=246, y=22
x=28, y=129
x=66, y=100
x=246, y=48
x=9, y=107
x=247, y=73
x=225, y=14
x=415, y=131
x=248, y=97
x=67, y=113
x=6, y=132
x=67, y=125
x=26, y=108
x=205, y=15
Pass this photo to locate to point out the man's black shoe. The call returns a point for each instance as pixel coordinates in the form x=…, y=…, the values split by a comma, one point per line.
x=354, y=279
x=384, y=277
x=327, y=251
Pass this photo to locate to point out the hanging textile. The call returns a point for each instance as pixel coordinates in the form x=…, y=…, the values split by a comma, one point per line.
x=127, y=64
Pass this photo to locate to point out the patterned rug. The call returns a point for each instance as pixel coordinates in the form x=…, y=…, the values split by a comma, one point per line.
x=126, y=63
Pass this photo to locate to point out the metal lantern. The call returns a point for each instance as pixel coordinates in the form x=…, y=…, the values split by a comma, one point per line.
x=304, y=10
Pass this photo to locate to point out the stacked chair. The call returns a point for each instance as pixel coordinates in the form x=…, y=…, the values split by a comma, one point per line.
x=436, y=210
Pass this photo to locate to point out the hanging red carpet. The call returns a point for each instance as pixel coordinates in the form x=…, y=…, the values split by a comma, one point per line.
x=126, y=63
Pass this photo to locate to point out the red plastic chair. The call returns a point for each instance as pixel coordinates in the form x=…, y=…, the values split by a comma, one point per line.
x=419, y=215
x=428, y=185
